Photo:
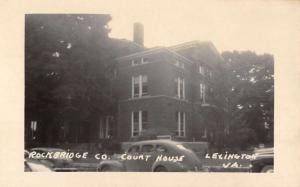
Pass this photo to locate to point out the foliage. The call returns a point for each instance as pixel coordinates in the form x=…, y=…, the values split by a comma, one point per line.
x=67, y=67
x=250, y=96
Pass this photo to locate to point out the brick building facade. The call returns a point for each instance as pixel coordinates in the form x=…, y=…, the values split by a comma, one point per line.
x=167, y=90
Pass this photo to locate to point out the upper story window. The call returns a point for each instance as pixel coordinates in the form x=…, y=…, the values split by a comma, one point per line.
x=208, y=73
x=139, y=61
x=180, y=121
x=139, y=86
x=145, y=60
x=205, y=71
x=180, y=87
x=201, y=70
x=139, y=121
x=202, y=92
x=135, y=62
x=179, y=64
x=204, y=133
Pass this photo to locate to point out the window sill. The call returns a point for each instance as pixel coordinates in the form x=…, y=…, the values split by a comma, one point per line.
x=144, y=96
x=181, y=99
x=134, y=65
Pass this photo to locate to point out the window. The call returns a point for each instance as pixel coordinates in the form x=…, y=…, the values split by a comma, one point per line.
x=180, y=87
x=144, y=60
x=202, y=92
x=161, y=148
x=144, y=119
x=139, y=86
x=135, y=124
x=134, y=149
x=180, y=121
x=144, y=85
x=208, y=73
x=179, y=64
x=147, y=148
x=136, y=86
x=139, y=121
x=201, y=70
x=105, y=129
x=33, y=127
x=136, y=62
x=204, y=133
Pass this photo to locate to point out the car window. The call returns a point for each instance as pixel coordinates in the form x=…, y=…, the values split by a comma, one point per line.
x=134, y=149
x=147, y=148
x=161, y=148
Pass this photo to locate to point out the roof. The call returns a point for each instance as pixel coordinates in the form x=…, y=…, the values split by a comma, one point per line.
x=153, y=51
x=125, y=47
x=269, y=150
x=174, y=50
x=156, y=141
x=196, y=43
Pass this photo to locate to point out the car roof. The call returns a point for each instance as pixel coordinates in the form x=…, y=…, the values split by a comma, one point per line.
x=264, y=150
x=169, y=142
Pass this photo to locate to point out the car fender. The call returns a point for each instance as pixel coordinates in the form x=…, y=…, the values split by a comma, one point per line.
x=169, y=165
x=115, y=165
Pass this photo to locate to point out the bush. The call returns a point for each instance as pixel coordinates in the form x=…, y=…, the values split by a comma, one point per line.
x=242, y=138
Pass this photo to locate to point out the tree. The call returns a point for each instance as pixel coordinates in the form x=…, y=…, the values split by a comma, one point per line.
x=68, y=65
x=250, y=95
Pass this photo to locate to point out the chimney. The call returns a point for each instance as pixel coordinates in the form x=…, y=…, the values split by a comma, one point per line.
x=138, y=33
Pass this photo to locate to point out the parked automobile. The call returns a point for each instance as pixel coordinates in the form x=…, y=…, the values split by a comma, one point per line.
x=264, y=161
x=153, y=155
x=36, y=166
x=31, y=165
x=57, y=164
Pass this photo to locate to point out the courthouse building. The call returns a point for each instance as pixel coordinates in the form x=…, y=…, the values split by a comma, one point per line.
x=167, y=90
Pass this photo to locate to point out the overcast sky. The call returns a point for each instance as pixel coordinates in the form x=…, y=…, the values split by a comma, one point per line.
x=260, y=26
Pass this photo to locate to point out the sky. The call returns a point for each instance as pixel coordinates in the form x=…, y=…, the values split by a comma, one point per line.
x=260, y=26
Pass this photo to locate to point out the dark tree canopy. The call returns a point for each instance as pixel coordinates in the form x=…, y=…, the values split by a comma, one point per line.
x=67, y=68
x=250, y=95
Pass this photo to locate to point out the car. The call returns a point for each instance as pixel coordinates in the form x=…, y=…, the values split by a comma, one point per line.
x=153, y=155
x=264, y=161
x=57, y=164
x=32, y=165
